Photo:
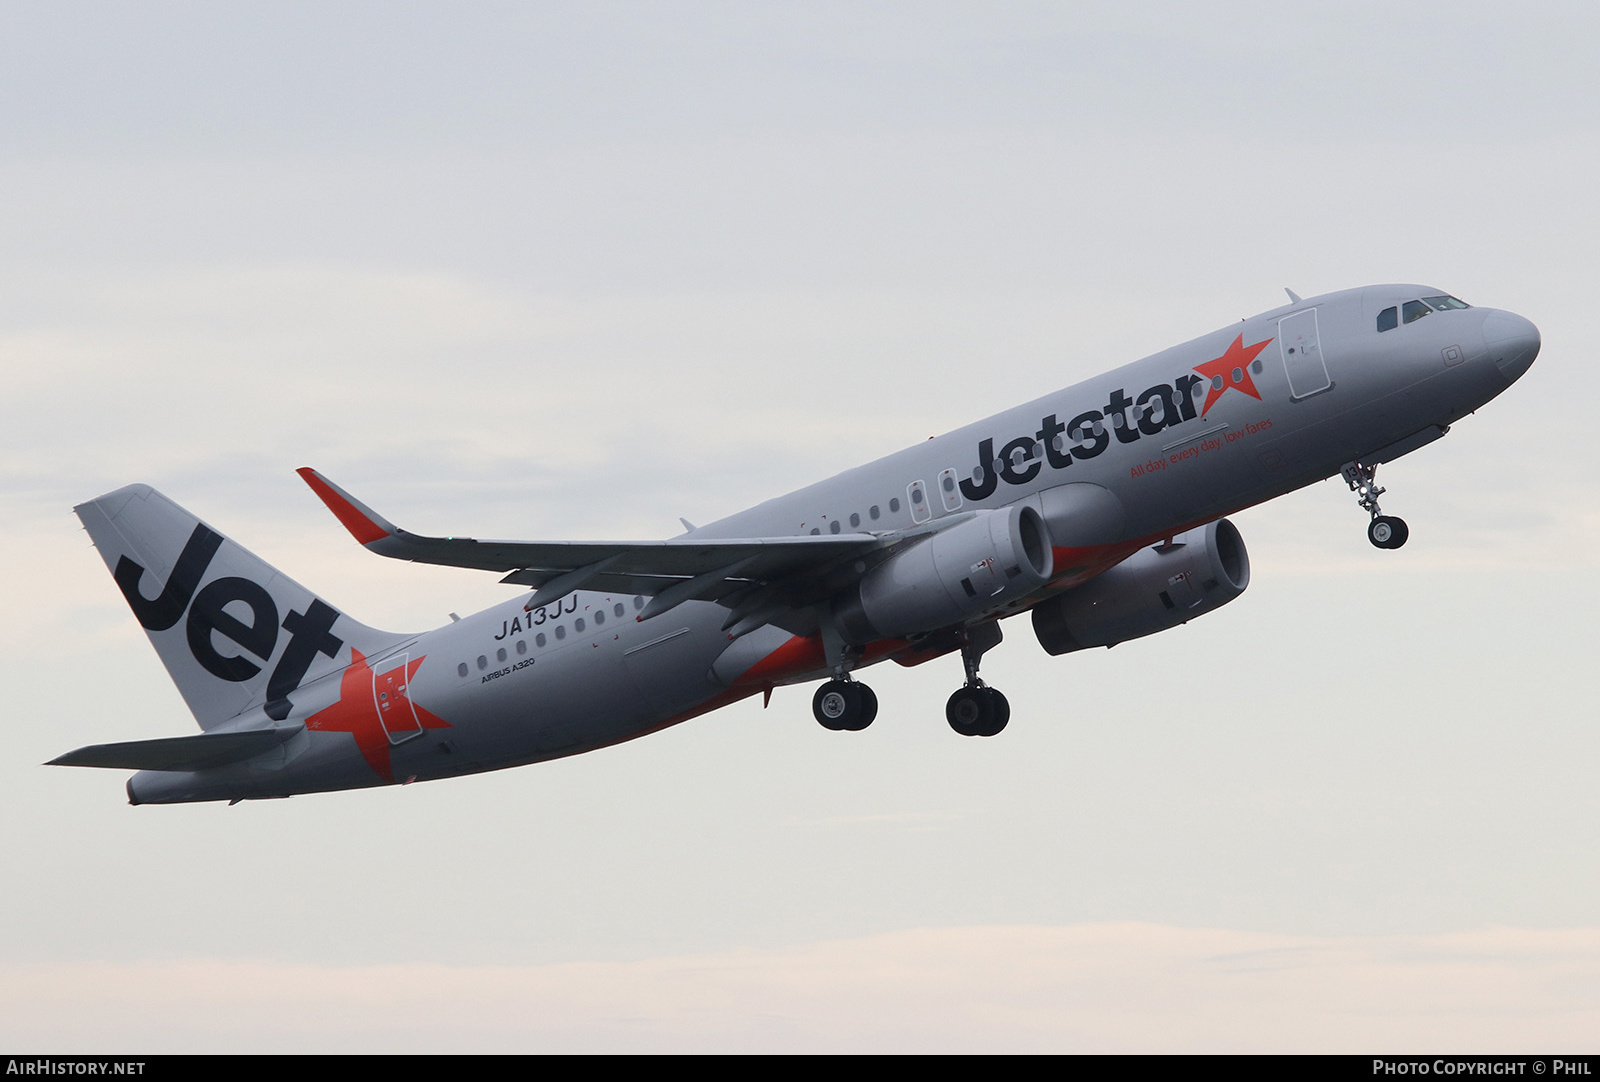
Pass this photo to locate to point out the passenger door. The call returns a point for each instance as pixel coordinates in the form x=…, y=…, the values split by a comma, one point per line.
x=1301, y=347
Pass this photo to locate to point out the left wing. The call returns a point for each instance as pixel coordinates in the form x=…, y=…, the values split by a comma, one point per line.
x=762, y=579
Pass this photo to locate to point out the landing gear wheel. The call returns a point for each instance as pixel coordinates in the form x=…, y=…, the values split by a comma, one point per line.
x=1002, y=713
x=967, y=710
x=869, y=709
x=844, y=705
x=1387, y=532
x=1384, y=531
x=977, y=711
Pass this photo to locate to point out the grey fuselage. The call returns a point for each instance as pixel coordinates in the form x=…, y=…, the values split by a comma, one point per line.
x=1171, y=450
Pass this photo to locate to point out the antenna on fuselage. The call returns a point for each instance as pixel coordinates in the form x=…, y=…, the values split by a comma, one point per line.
x=1294, y=298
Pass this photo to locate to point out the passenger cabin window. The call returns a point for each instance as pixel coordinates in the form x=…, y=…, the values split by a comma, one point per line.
x=1414, y=310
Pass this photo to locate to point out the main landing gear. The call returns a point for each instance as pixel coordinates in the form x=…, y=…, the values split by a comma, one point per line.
x=977, y=709
x=1385, y=531
x=844, y=705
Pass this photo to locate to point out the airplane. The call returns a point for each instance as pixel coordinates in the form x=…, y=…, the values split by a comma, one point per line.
x=1099, y=509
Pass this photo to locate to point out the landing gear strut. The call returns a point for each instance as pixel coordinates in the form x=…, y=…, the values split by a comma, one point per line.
x=977, y=709
x=1384, y=531
x=842, y=704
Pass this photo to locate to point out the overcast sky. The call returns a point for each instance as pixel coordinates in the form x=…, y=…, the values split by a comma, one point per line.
x=574, y=270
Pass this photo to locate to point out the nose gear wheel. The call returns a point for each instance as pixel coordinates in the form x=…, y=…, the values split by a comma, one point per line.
x=1384, y=531
x=1387, y=532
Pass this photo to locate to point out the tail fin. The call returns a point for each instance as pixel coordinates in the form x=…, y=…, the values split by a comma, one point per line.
x=216, y=613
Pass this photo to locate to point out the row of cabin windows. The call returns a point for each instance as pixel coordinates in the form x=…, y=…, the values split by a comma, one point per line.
x=618, y=610
x=1411, y=311
x=874, y=513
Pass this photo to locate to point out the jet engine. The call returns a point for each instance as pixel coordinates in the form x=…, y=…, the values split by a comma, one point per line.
x=1150, y=591
x=959, y=574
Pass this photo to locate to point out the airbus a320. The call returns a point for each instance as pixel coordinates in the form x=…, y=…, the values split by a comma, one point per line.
x=1098, y=509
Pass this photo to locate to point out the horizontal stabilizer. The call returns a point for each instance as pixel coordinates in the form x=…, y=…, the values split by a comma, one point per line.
x=179, y=752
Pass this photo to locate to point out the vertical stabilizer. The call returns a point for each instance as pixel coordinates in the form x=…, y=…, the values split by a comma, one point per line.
x=234, y=633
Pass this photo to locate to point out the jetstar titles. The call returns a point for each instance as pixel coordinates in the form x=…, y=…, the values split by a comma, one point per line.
x=1128, y=419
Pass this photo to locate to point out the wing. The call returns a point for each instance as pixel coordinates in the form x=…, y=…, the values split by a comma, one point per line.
x=761, y=579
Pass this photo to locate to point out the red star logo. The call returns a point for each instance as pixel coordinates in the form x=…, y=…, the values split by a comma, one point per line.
x=372, y=706
x=1233, y=369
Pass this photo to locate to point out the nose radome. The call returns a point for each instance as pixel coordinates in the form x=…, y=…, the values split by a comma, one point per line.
x=1512, y=342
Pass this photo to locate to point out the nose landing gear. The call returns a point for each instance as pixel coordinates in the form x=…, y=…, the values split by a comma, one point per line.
x=1385, y=531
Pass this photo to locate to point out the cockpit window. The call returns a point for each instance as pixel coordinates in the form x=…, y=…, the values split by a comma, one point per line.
x=1415, y=310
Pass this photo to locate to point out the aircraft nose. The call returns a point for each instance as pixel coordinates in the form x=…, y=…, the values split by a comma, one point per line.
x=1512, y=342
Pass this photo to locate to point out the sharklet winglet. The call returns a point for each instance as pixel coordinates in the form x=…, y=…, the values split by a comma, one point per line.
x=364, y=524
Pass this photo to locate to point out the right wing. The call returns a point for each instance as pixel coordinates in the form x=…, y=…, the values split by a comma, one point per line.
x=762, y=579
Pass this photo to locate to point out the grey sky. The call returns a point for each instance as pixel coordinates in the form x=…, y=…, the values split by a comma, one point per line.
x=573, y=271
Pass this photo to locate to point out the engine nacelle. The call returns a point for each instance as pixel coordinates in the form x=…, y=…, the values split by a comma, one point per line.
x=960, y=574
x=1150, y=591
